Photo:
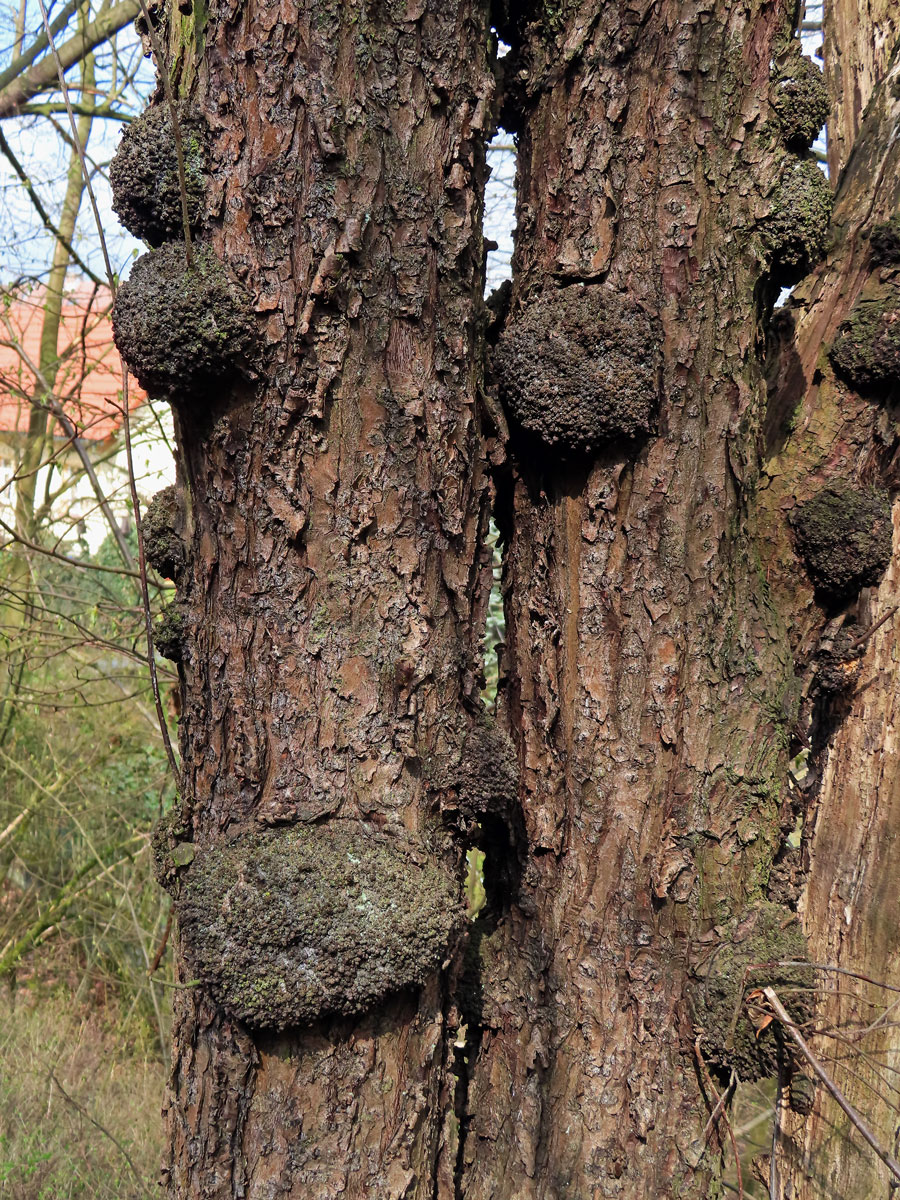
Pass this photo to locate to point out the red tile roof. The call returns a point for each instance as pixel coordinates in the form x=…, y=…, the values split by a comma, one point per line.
x=88, y=379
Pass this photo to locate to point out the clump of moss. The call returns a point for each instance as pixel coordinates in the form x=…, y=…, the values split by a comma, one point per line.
x=844, y=536
x=884, y=242
x=866, y=351
x=721, y=994
x=581, y=366
x=144, y=174
x=181, y=329
x=476, y=770
x=800, y=100
x=163, y=545
x=169, y=631
x=293, y=925
x=795, y=229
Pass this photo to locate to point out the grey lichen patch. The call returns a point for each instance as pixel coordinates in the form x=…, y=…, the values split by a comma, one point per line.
x=144, y=174
x=580, y=367
x=866, y=351
x=169, y=632
x=163, y=544
x=293, y=925
x=183, y=330
x=844, y=536
x=751, y=955
x=475, y=769
x=884, y=242
x=800, y=100
x=796, y=226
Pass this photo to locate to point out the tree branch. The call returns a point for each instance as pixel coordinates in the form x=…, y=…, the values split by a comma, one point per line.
x=38, y=78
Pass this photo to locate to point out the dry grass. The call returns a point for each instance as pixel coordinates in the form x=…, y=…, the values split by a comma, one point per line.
x=52, y=1146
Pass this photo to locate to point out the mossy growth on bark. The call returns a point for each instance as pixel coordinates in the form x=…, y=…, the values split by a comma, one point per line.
x=169, y=632
x=163, y=544
x=884, y=242
x=293, y=925
x=844, y=537
x=183, y=330
x=752, y=955
x=474, y=769
x=866, y=351
x=144, y=179
x=796, y=226
x=580, y=366
x=800, y=100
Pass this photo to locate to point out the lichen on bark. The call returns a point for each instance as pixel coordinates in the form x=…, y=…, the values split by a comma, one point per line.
x=290, y=926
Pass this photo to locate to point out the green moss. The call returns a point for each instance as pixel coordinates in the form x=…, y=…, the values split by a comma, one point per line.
x=795, y=229
x=290, y=926
x=866, y=351
x=183, y=330
x=580, y=367
x=767, y=934
x=144, y=174
x=163, y=546
x=844, y=536
x=800, y=100
x=169, y=632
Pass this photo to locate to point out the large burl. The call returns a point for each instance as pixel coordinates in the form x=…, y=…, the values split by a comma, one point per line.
x=293, y=925
x=580, y=367
x=183, y=329
x=144, y=175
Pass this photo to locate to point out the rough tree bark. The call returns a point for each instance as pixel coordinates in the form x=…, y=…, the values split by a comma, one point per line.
x=650, y=679
x=840, y=428
x=331, y=582
x=328, y=546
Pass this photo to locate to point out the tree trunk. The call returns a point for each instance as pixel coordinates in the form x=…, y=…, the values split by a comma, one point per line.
x=334, y=1035
x=334, y=588
x=843, y=429
x=650, y=679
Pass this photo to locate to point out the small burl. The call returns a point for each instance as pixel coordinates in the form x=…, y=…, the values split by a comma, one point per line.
x=580, y=367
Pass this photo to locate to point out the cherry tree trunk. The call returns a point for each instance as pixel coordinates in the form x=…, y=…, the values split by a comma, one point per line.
x=333, y=503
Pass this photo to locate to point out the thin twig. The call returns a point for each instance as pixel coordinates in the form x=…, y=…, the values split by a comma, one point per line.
x=157, y=957
x=115, y=1141
x=837, y=1095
